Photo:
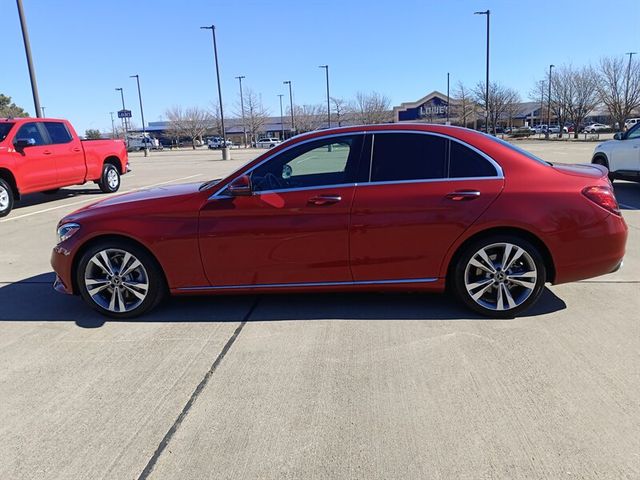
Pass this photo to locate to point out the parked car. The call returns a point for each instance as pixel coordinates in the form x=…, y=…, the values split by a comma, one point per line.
x=621, y=155
x=556, y=129
x=630, y=123
x=139, y=142
x=45, y=154
x=217, y=142
x=267, y=143
x=596, y=127
x=384, y=207
x=540, y=128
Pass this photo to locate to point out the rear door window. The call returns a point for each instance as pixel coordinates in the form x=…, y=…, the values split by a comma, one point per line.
x=408, y=156
x=466, y=163
x=58, y=132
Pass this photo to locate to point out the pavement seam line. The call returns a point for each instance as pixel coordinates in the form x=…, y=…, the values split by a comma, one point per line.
x=148, y=469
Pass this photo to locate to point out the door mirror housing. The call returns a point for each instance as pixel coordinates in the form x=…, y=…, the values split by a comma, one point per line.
x=241, y=186
x=21, y=143
x=618, y=136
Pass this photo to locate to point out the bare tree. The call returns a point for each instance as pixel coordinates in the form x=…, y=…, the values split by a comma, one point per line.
x=465, y=104
x=372, y=108
x=309, y=117
x=539, y=94
x=501, y=101
x=618, y=87
x=582, y=95
x=215, y=126
x=341, y=110
x=255, y=114
x=175, y=128
x=191, y=123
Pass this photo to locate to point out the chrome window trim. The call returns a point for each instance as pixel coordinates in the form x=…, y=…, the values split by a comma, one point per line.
x=498, y=176
x=312, y=284
x=297, y=144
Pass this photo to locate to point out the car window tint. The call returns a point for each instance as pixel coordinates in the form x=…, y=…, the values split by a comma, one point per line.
x=30, y=130
x=319, y=163
x=58, y=132
x=634, y=132
x=464, y=162
x=408, y=156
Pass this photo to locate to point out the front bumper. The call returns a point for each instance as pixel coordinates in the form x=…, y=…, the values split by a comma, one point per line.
x=61, y=262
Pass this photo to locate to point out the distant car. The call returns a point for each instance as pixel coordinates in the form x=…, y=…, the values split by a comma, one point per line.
x=217, y=142
x=621, y=155
x=596, y=127
x=267, y=143
x=540, y=128
x=630, y=123
x=556, y=129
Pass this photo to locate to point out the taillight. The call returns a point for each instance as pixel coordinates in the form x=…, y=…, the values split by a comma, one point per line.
x=602, y=196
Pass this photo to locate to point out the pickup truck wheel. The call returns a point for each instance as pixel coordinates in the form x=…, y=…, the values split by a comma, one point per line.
x=6, y=198
x=110, y=180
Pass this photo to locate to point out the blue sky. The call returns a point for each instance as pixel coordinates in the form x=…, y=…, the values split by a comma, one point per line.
x=83, y=50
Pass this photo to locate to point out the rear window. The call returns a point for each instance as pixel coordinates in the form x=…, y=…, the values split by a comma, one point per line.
x=519, y=150
x=5, y=128
x=58, y=132
x=465, y=163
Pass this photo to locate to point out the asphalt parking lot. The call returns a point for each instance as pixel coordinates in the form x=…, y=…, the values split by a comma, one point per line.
x=370, y=386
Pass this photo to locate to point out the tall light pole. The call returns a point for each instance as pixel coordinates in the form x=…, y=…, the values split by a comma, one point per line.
x=626, y=88
x=113, y=126
x=27, y=51
x=225, y=149
x=448, y=101
x=144, y=131
x=244, y=128
x=281, y=118
x=486, y=95
x=293, y=126
x=124, y=119
x=326, y=68
x=42, y=108
x=549, y=104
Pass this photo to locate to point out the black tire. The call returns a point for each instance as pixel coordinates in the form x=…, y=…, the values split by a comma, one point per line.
x=153, y=276
x=6, y=198
x=523, y=297
x=602, y=160
x=110, y=179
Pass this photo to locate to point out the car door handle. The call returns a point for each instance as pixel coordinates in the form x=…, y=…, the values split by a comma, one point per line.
x=463, y=195
x=77, y=149
x=324, y=199
x=46, y=152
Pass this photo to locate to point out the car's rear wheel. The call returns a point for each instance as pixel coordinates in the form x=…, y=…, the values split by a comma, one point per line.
x=499, y=276
x=120, y=279
x=602, y=160
x=6, y=198
x=110, y=179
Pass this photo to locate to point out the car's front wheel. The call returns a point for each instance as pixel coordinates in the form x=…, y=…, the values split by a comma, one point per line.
x=6, y=198
x=499, y=276
x=120, y=279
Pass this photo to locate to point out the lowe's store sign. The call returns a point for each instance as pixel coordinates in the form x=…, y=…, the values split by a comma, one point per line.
x=434, y=108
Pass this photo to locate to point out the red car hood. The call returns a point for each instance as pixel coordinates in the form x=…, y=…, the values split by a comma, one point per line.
x=145, y=195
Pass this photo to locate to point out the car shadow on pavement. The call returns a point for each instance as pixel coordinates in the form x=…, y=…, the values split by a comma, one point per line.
x=34, y=299
x=44, y=198
x=627, y=194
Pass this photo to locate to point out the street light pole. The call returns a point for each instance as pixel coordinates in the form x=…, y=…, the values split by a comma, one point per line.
x=281, y=118
x=448, y=101
x=42, y=108
x=144, y=131
x=293, y=126
x=626, y=88
x=113, y=126
x=225, y=149
x=27, y=50
x=244, y=128
x=326, y=68
x=486, y=95
x=549, y=104
x=124, y=119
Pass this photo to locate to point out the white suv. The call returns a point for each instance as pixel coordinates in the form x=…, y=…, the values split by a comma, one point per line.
x=621, y=155
x=267, y=143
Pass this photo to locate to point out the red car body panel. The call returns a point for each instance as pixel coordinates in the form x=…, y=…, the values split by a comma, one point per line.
x=56, y=165
x=398, y=236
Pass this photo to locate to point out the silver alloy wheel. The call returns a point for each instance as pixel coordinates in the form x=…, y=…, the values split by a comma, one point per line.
x=112, y=178
x=500, y=276
x=4, y=198
x=116, y=280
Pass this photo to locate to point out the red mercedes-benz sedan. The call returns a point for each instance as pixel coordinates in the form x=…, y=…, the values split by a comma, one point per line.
x=385, y=207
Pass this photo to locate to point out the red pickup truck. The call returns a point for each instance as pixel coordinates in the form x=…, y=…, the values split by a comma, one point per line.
x=45, y=154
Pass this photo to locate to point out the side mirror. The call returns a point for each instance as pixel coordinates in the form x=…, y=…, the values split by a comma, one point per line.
x=618, y=136
x=21, y=143
x=241, y=187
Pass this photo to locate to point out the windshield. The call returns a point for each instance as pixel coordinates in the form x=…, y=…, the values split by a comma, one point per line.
x=5, y=128
x=520, y=150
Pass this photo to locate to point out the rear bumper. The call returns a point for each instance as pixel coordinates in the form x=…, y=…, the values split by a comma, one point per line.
x=590, y=252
